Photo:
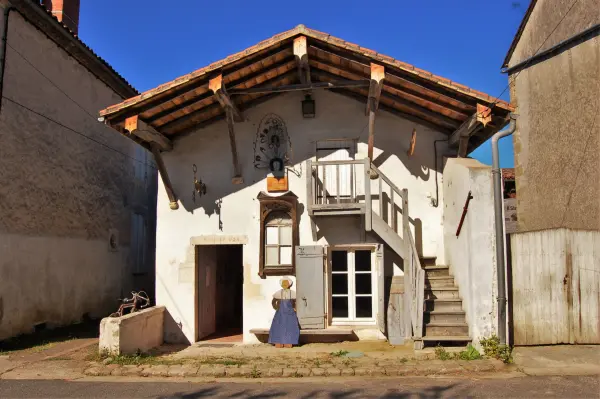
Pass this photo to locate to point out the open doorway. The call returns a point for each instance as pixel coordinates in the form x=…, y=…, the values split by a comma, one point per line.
x=219, y=293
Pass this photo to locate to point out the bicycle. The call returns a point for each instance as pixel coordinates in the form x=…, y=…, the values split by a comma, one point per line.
x=139, y=300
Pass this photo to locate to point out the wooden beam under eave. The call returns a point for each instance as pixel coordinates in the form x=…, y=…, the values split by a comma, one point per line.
x=232, y=114
x=173, y=204
x=301, y=55
x=216, y=86
x=477, y=121
x=137, y=127
x=377, y=76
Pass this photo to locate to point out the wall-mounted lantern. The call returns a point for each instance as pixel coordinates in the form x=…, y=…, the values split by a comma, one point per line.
x=308, y=107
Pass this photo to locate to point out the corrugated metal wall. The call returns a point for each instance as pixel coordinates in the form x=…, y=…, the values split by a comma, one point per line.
x=556, y=287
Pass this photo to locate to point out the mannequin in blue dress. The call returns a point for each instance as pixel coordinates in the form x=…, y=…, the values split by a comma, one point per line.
x=285, y=330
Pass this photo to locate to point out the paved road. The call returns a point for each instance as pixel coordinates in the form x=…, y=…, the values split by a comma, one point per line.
x=521, y=387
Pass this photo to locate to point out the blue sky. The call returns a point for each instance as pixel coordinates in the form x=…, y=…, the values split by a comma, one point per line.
x=153, y=41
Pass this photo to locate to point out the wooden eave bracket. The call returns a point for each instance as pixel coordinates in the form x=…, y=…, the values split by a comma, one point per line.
x=477, y=121
x=377, y=77
x=173, y=204
x=301, y=55
x=137, y=127
x=232, y=115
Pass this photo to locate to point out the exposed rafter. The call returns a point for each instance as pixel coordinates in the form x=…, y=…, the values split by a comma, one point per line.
x=301, y=54
x=472, y=125
x=377, y=76
x=302, y=87
x=232, y=114
x=164, y=176
x=134, y=125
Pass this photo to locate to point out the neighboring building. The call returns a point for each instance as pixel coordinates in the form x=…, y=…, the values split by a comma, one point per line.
x=554, y=69
x=265, y=173
x=77, y=213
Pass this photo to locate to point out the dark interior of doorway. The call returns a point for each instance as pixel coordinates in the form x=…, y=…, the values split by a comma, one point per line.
x=228, y=294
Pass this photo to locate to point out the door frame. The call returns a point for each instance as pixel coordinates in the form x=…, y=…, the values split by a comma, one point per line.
x=374, y=284
x=214, y=240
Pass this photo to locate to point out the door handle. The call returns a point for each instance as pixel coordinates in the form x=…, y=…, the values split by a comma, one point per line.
x=304, y=299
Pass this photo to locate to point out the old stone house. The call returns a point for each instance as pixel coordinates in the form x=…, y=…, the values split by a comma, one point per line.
x=554, y=68
x=309, y=156
x=77, y=202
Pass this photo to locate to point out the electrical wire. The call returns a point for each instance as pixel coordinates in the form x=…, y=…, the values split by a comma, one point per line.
x=536, y=52
x=94, y=118
x=76, y=132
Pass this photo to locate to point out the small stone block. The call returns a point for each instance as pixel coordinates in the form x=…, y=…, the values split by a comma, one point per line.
x=237, y=372
x=182, y=371
x=332, y=371
x=131, y=370
x=303, y=372
x=289, y=372
x=96, y=371
x=479, y=366
x=211, y=372
x=398, y=371
x=347, y=372
x=362, y=371
x=273, y=372
x=156, y=371
x=318, y=372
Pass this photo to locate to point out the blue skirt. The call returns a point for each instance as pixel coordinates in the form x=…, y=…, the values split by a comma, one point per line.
x=285, y=329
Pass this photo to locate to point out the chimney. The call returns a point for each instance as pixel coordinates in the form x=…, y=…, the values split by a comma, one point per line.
x=66, y=11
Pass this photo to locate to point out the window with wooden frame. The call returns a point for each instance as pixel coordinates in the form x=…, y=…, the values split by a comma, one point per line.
x=278, y=234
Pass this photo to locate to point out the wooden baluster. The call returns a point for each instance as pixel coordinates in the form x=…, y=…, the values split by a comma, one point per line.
x=393, y=210
x=380, y=197
x=337, y=183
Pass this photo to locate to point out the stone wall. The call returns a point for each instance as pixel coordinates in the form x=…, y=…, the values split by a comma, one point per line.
x=62, y=194
x=557, y=141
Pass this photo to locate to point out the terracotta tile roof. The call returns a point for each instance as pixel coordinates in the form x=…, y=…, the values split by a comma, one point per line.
x=508, y=174
x=325, y=37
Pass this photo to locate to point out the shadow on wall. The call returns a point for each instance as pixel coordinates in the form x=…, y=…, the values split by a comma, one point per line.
x=215, y=169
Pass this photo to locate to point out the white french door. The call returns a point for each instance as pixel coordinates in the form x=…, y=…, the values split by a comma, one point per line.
x=353, y=287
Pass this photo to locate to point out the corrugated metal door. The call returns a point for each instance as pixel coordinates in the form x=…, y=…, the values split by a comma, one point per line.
x=310, y=290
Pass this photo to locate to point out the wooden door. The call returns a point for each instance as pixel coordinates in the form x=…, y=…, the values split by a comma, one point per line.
x=206, y=266
x=310, y=287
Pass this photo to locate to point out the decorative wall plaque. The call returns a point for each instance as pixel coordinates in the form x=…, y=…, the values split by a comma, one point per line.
x=272, y=146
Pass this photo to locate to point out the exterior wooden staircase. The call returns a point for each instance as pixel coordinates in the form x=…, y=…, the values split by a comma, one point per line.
x=356, y=187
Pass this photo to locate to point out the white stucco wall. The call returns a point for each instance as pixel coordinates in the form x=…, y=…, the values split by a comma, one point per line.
x=208, y=148
x=471, y=255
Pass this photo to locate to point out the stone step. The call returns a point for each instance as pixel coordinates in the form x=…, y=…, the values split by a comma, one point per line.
x=442, y=293
x=447, y=329
x=433, y=340
x=439, y=281
x=444, y=305
x=428, y=261
x=435, y=271
x=438, y=316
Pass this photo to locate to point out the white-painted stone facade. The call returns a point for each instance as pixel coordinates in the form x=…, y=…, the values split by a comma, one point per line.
x=208, y=148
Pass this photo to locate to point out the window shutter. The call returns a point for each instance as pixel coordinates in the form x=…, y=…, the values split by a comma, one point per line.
x=310, y=290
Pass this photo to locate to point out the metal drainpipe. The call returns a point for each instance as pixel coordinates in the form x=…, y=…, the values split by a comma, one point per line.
x=7, y=11
x=498, y=206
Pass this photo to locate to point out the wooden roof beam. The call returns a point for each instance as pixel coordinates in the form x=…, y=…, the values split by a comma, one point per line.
x=377, y=76
x=216, y=86
x=137, y=127
x=232, y=114
x=301, y=54
x=164, y=176
x=460, y=137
